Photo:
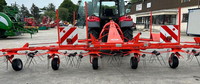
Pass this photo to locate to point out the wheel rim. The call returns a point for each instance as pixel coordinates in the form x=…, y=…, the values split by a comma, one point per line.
x=19, y=64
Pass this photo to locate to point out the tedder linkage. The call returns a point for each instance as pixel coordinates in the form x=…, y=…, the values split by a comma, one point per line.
x=95, y=47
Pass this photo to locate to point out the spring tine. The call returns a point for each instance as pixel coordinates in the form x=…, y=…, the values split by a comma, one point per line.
x=29, y=63
x=77, y=63
x=39, y=58
x=40, y=54
x=117, y=61
x=188, y=56
x=73, y=62
x=121, y=61
x=35, y=61
x=102, y=63
x=108, y=59
x=112, y=59
x=7, y=64
x=192, y=58
x=48, y=59
x=163, y=59
x=144, y=62
x=159, y=60
x=68, y=60
x=26, y=61
x=150, y=58
x=197, y=60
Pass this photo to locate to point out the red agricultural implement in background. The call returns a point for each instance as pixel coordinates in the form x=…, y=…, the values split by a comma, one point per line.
x=168, y=38
x=44, y=25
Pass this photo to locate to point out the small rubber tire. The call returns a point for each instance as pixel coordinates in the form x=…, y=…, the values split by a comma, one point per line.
x=17, y=64
x=134, y=62
x=174, y=61
x=55, y=64
x=95, y=63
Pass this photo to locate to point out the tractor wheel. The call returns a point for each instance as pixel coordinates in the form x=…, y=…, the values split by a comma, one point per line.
x=128, y=33
x=55, y=64
x=134, y=62
x=173, y=61
x=17, y=64
x=4, y=37
x=95, y=32
x=95, y=63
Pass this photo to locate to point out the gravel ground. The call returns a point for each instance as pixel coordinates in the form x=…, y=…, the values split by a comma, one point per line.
x=108, y=73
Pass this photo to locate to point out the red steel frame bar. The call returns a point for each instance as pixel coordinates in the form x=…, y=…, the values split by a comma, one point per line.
x=151, y=25
x=179, y=23
x=86, y=21
x=74, y=18
x=58, y=27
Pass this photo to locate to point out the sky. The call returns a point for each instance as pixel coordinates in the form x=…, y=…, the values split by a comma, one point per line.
x=38, y=3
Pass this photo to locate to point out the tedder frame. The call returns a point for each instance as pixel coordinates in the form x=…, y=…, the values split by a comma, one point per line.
x=115, y=44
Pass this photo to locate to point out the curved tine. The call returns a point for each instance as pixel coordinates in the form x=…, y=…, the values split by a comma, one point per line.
x=163, y=59
x=144, y=62
x=29, y=63
x=108, y=59
x=48, y=62
x=102, y=63
x=79, y=63
x=167, y=55
x=7, y=64
x=116, y=61
x=26, y=61
x=39, y=58
x=68, y=60
x=121, y=61
x=197, y=60
x=192, y=58
x=188, y=56
x=159, y=60
x=41, y=54
x=150, y=58
x=35, y=61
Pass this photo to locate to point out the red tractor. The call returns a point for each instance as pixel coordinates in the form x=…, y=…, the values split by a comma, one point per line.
x=101, y=12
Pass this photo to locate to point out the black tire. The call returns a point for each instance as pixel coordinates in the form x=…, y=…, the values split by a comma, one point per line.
x=134, y=62
x=95, y=63
x=174, y=61
x=17, y=64
x=95, y=32
x=128, y=33
x=55, y=64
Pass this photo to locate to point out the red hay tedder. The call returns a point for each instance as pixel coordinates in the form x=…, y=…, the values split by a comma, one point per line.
x=116, y=42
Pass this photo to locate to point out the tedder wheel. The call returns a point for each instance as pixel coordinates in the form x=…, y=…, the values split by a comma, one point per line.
x=95, y=63
x=17, y=64
x=55, y=64
x=134, y=62
x=173, y=61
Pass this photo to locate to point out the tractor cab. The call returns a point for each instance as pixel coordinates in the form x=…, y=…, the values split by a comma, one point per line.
x=101, y=12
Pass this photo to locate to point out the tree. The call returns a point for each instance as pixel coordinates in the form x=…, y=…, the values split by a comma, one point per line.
x=63, y=13
x=51, y=7
x=134, y=1
x=68, y=4
x=35, y=12
x=25, y=11
x=2, y=3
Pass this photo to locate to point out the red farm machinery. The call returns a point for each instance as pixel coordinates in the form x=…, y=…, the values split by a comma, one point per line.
x=106, y=33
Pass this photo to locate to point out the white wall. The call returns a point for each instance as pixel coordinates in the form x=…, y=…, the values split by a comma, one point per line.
x=157, y=27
